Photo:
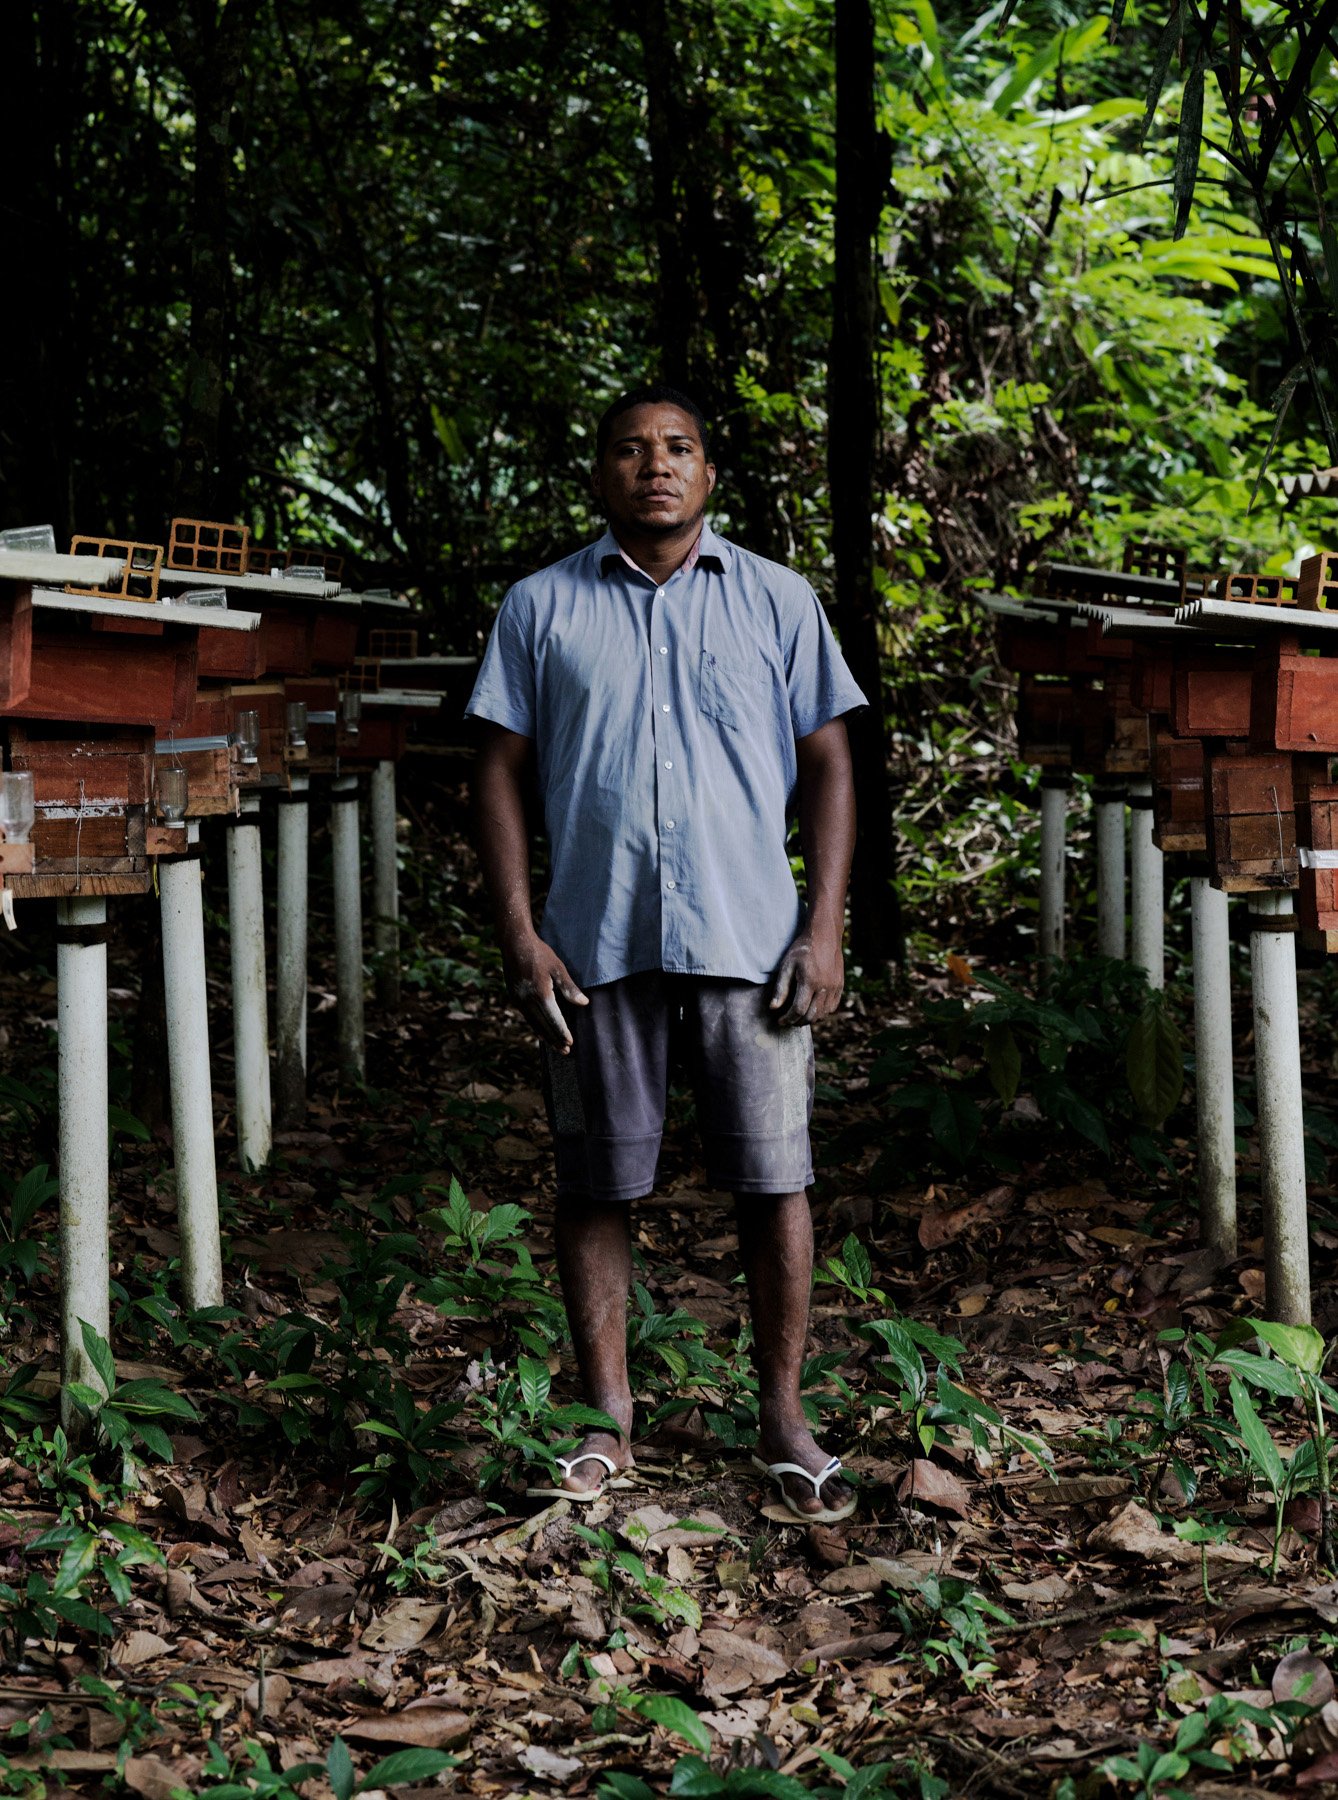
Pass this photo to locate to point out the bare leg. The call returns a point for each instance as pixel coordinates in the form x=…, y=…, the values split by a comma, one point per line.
x=776, y=1249
x=594, y=1254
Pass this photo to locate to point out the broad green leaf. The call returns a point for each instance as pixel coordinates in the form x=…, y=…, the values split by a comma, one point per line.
x=1257, y=1439
x=339, y=1770
x=855, y=1259
x=76, y=1562
x=1300, y=1346
x=675, y=1715
x=693, y=1780
x=99, y=1354
x=403, y=1767
x=954, y=1122
x=1003, y=1059
x=535, y=1382
x=1266, y=1372
x=1155, y=1063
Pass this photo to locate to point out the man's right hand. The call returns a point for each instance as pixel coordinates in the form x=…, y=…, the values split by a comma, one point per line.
x=535, y=977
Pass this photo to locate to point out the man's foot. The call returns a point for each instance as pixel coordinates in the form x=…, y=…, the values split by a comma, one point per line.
x=796, y=1444
x=588, y=1476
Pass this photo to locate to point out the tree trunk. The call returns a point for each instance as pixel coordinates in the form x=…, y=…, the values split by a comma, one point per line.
x=39, y=52
x=209, y=45
x=862, y=170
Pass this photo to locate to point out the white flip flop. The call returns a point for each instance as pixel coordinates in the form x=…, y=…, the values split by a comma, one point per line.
x=828, y=1515
x=614, y=1479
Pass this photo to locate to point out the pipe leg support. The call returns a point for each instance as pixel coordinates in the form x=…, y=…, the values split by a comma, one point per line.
x=1277, y=1040
x=1111, y=933
x=81, y=1011
x=345, y=835
x=250, y=1005
x=385, y=887
x=1214, y=1077
x=1148, y=889
x=187, y=1008
x=1054, y=806
x=290, y=995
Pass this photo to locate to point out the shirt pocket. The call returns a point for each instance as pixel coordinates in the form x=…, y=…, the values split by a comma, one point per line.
x=734, y=693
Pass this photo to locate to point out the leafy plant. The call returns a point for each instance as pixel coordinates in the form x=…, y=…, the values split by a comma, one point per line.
x=512, y=1408
x=948, y=1622
x=251, y=1776
x=618, y=1573
x=126, y=1412
x=935, y=1405
x=1099, y=1056
x=479, y=1284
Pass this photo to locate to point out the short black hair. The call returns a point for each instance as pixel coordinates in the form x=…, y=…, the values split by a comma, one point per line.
x=655, y=393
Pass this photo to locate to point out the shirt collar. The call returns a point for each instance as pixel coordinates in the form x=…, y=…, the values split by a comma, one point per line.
x=712, y=550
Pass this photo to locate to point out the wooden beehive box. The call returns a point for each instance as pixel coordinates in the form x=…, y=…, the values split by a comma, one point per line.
x=1295, y=699
x=1127, y=750
x=335, y=641
x=287, y=638
x=326, y=740
x=1152, y=680
x=1251, y=818
x=1047, y=711
x=106, y=677
x=91, y=795
x=232, y=655
x=1317, y=899
x=277, y=759
x=1211, y=693
x=1179, y=821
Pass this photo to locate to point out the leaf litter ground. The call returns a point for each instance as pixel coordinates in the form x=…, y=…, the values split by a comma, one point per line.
x=527, y=1649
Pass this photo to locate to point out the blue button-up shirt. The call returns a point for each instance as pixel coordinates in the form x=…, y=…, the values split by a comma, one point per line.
x=664, y=721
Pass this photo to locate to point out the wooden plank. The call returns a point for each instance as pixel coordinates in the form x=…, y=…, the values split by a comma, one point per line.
x=107, y=681
x=1211, y=694
x=287, y=638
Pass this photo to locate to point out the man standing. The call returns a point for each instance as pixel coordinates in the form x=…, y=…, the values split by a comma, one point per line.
x=676, y=697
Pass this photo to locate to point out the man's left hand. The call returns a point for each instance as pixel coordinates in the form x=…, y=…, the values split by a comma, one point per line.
x=810, y=979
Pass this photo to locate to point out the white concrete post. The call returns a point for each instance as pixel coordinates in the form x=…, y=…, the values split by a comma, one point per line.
x=1277, y=1061
x=346, y=848
x=1111, y=935
x=290, y=985
x=385, y=886
x=187, y=1006
x=81, y=1078
x=1214, y=1079
x=250, y=1006
x=1054, y=805
x=1147, y=888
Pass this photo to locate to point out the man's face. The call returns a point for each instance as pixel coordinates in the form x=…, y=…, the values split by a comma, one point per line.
x=653, y=475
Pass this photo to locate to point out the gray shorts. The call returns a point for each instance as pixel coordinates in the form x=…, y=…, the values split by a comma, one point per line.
x=752, y=1079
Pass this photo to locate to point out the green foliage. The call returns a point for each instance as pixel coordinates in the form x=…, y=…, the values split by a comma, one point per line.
x=1098, y=1056
x=929, y=1395
x=1213, y=1739
x=491, y=1273
x=252, y=1776
x=947, y=1622
x=127, y=1412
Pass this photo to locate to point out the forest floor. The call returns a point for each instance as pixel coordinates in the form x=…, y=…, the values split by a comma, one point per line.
x=984, y=1625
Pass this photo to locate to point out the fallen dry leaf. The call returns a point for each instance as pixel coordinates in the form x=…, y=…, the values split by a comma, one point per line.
x=926, y=1484
x=138, y=1647
x=1301, y=1676
x=734, y=1662
x=941, y=1224
x=1135, y=1532
x=548, y=1764
x=156, y=1779
x=403, y=1624
x=424, y=1724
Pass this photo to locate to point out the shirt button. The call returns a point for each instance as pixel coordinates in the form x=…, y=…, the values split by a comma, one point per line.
x=664, y=649
x=659, y=593
x=671, y=884
x=665, y=707
x=668, y=765
x=669, y=824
